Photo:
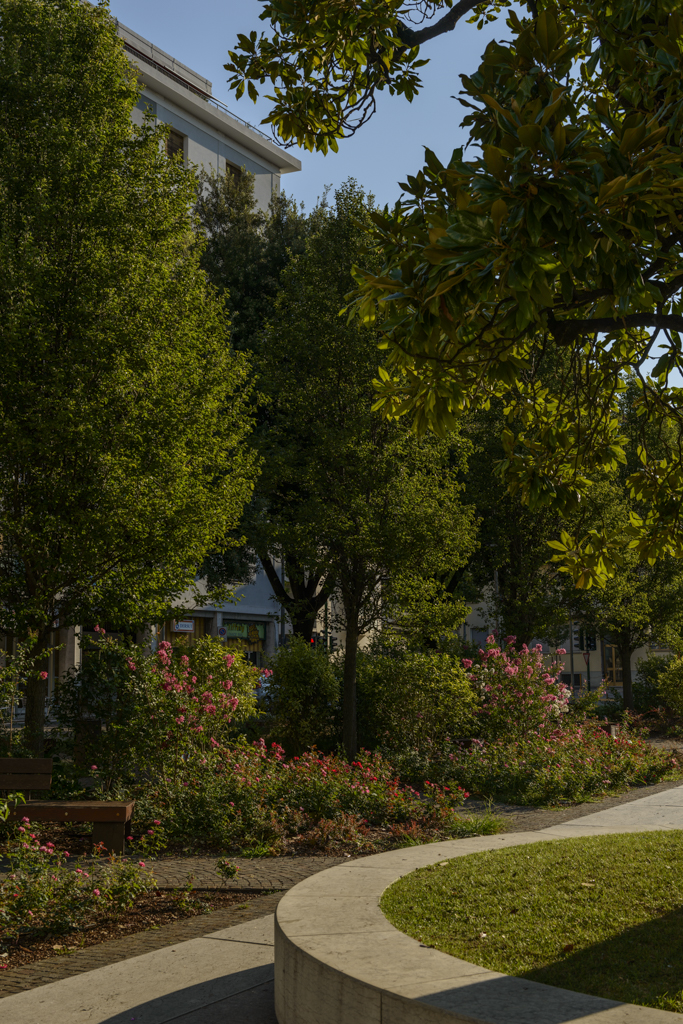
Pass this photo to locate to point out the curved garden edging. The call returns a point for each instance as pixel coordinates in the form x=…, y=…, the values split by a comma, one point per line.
x=338, y=960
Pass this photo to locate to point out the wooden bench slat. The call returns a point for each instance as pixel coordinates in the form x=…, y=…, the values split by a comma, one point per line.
x=25, y=781
x=71, y=810
x=26, y=765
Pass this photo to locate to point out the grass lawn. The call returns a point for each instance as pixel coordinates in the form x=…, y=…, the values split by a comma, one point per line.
x=601, y=915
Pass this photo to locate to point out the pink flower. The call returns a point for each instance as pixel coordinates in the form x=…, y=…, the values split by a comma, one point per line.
x=141, y=863
x=43, y=675
x=96, y=892
x=156, y=822
x=467, y=663
x=131, y=665
x=93, y=767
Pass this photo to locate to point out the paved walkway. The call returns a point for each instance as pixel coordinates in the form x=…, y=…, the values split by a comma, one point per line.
x=226, y=975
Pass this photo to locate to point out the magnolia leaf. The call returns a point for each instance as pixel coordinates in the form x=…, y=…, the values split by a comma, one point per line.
x=499, y=211
x=529, y=135
x=495, y=161
x=547, y=32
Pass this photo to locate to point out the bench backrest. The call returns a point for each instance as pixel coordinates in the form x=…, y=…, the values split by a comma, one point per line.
x=25, y=773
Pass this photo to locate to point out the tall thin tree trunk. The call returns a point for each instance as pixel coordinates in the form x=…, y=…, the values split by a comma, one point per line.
x=625, y=654
x=34, y=722
x=350, y=730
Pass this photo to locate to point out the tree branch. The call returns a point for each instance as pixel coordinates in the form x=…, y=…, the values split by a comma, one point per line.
x=565, y=332
x=411, y=37
x=274, y=580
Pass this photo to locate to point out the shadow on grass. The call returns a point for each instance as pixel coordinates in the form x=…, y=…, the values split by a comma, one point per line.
x=640, y=965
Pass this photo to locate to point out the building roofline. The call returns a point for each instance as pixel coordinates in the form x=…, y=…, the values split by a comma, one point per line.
x=178, y=83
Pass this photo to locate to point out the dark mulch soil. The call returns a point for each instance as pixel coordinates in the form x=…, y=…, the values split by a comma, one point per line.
x=149, y=911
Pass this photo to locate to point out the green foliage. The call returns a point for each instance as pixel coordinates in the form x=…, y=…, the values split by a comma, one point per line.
x=357, y=507
x=550, y=239
x=669, y=683
x=302, y=696
x=413, y=701
x=357, y=48
x=563, y=233
x=247, y=249
x=251, y=797
x=122, y=456
x=578, y=762
x=571, y=913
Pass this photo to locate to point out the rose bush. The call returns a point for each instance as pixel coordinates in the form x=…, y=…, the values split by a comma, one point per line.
x=530, y=748
x=40, y=894
x=156, y=708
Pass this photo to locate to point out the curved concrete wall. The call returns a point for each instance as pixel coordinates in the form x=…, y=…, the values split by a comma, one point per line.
x=338, y=960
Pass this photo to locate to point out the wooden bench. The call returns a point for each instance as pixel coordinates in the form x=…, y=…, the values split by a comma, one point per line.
x=25, y=774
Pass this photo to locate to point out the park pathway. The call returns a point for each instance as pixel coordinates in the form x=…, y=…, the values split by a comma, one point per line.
x=187, y=974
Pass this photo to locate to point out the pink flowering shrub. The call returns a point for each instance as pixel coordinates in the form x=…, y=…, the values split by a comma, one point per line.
x=520, y=690
x=157, y=707
x=40, y=894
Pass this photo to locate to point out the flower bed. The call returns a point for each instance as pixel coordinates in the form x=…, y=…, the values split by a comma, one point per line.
x=251, y=796
x=40, y=894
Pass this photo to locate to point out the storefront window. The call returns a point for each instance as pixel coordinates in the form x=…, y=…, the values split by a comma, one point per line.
x=248, y=637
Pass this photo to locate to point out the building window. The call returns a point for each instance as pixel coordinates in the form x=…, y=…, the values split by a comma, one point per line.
x=234, y=171
x=613, y=670
x=175, y=144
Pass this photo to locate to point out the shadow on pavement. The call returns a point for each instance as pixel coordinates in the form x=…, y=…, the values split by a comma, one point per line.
x=244, y=997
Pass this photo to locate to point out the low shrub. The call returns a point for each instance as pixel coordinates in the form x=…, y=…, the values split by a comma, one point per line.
x=40, y=894
x=569, y=764
x=302, y=696
x=252, y=796
x=411, y=701
x=669, y=683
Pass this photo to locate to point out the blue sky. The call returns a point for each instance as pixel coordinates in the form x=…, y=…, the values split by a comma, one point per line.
x=200, y=33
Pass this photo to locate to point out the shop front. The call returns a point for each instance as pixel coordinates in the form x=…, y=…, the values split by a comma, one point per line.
x=248, y=637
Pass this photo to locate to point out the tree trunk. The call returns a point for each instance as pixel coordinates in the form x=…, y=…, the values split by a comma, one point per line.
x=625, y=655
x=350, y=729
x=34, y=723
x=305, y=602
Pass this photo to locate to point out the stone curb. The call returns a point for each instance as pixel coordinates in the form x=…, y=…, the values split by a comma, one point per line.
x=338, y=960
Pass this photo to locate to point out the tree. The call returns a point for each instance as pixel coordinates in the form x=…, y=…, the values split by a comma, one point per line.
x=364, y=509
x=247, y=248
x=122, y=407
x=639, y=604
x=246, y=253
x=563, y=233
x=511, y=570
